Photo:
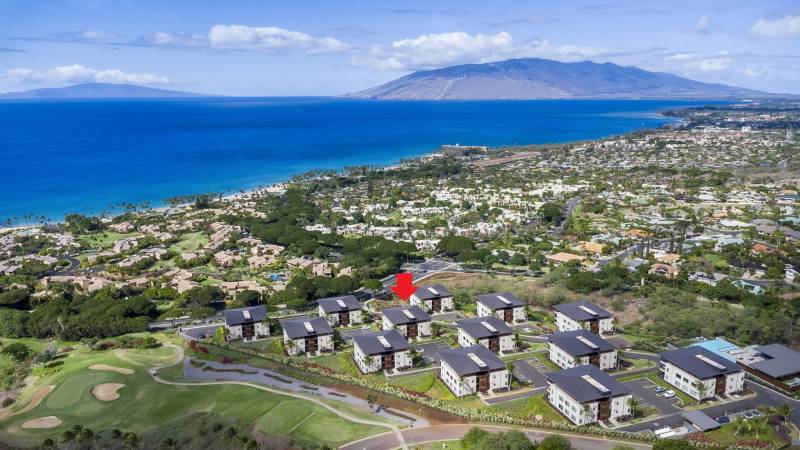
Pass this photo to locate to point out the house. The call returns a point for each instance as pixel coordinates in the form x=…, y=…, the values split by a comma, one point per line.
x=586, y=394
x=750, y=286
x=583, y=315
x=664, y=270
x=384, y=350
x=343, y=311
x=472, y=370
x=412, y=322
x=306, y=335
x=563, y=258
x=576, y=348
x=433, y=298
x=503, y=305
x=709, y=279
x=701, y=373
x=491, y=332
x=247, y=324
x=776, y=364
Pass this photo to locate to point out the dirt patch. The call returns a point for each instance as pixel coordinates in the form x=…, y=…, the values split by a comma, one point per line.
x=106, y=367
x=107, y=392
x=42, y=423
x=434, y=416
x=37, y=398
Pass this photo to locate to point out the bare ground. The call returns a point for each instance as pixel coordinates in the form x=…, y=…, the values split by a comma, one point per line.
x=107, y=392
x=37, y=398
x=42, y=423
x=106, y=367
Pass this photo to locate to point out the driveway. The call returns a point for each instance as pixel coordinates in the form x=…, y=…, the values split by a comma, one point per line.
x=201, y=331
x=531, y=370
x=430, y=350
x=642, y=388
x=347, y=335
x=447, y=316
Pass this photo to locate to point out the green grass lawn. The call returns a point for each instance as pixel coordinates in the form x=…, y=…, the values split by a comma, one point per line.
x=726, y=436
x=146, y=405
x=439, y=445
x=104, y=239
x=418, y=382
x=529, y=408
x=190, y=241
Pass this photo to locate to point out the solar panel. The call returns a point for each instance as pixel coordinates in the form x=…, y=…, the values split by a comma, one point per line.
x=588, y=310
x=504, y=300
x=408, y=314
x=384, y=342
x=477, y=360
x=595, y=384
x=246, y=315
x=489, y=327
x=341, y=303
x=587, y=342
x=710, y=362
x=309, y=327
x=433, y=291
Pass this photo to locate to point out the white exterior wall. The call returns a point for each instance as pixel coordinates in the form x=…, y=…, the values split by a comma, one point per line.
x=465, y=340
x=564, y=323
x=578, y=414
x=507, y=343
x=686, y=382
x=423, y=328
x=469, y=384
x=607, y=325
x=518, y=313
x=298, y=346
x=402, y=360
x=447, y=303
x=235, y=332
x=333, y=318
x=608, y=360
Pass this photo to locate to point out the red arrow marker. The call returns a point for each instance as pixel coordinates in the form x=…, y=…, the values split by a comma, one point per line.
x=404, y=287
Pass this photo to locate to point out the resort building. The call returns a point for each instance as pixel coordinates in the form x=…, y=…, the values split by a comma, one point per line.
x=502, y=305
x=304, y=335
x=583, y=316
x=700, y=373
x=577, y=348
x=412, y=322
x=490, y=332
x=472, y=370
x=381, y=351
x=433, y=298
x=247, y=324
x=341, y=311
x=776, y=364
x=586, y=394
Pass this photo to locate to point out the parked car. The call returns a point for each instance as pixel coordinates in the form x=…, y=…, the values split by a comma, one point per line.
x=659, y=389
x=669, y=394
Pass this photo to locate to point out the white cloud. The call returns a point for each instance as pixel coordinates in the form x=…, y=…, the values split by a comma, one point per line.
x=430, y=51
x=77, y=73
x=714, y=64
x=784, y=27
x=162, y=39
x=703, y=25
x=241, y=37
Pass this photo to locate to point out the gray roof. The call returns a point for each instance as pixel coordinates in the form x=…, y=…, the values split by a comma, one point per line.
x=398, y=317
x=476, y=328
x=237, y=316
x=331, y=304
x=296, y=328
x=569, y=342
x=578, y=314
x=572, y=382
x=687, y=360
x=431, y=291
x=371, y=345
x=701, y=420
x=459, y=360
x=493, y=301
x=781, y=361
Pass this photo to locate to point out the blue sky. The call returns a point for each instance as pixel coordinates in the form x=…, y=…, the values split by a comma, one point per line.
x=336, y=46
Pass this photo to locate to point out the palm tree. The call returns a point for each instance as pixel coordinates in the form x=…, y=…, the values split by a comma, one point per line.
x=739, y=422
x=633, y=402
x=86, y=436
x=68, y=437
x=785, y=410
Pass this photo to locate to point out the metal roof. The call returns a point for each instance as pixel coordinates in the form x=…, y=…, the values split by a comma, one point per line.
x=296, y=328
x=463, y=363
x=587, y=383
x=339, y=304
x=431, y=291
x=477, y=328
x=701, y=420
x=495, y=300
x=574, y=342
x=238, y=316
x=699, y=362
x=370, y=343
x=579, y=311
x=397, y=316
x=779, y=361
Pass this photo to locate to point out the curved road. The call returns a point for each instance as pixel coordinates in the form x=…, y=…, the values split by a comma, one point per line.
x=435, y=433
x=395, y=436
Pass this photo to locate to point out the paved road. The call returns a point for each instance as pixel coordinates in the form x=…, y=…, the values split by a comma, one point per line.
x=417, y=436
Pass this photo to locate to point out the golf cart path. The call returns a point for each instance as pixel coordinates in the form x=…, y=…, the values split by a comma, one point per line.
x=400, y=441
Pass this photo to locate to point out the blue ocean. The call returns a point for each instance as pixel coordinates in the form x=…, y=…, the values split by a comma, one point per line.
x=87, y=156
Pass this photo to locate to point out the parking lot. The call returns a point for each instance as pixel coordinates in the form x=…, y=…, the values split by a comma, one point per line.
x=430, y=351
x=447, y=317
x=646, y=391
x=201, y=331
x=347, y=335
x=531, y=370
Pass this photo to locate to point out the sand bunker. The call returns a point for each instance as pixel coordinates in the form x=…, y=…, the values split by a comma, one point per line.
x=37, y=398
x=106, y=367
x=107, y=392
x=42, y=422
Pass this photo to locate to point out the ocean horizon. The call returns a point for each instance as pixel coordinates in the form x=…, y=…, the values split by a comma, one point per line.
x=88, y=156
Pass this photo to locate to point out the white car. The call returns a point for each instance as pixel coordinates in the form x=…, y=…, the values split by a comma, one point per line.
x=527, y=330
x=669, y=394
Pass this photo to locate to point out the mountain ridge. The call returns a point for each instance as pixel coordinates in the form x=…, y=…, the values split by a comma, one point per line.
x=537, y=78
x=97, y=91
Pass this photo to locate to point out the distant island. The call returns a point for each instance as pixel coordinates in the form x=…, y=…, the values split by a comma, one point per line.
x=97, y=90
x=535, y=78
